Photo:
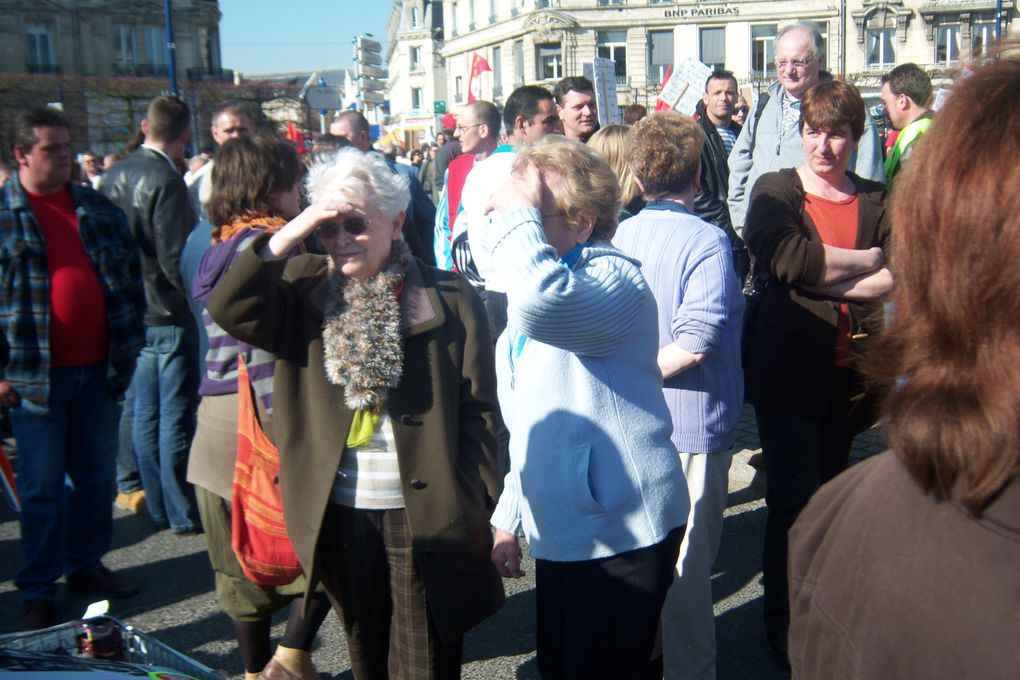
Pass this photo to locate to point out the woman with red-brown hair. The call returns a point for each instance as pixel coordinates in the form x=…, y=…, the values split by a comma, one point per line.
x=906, y=566
x=816, y=234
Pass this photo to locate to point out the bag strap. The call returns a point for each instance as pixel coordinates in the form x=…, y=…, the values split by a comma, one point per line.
x=247, y=417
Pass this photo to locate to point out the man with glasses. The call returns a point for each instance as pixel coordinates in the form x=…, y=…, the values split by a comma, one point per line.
x=478, y=133
x=770, y=140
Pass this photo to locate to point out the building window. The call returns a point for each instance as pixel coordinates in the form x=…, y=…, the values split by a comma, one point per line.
x=123, y=49
x=763, y=50
x=712, y=47
x=613, y=45
x=415, y=19
x=823, y=28
x=416, y=99
x=606, y=3
x=518, y=63
x=458, y=89
x=493, y=11
x=414, y=54
x=879, y=46
x=982, y=34
x=497, y=71
x=155, y=49
x=947, y=44
x=40, y=48
x=660, y=55
x=550, y=62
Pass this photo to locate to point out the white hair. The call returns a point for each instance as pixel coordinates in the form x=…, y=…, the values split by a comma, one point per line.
x=360, y=178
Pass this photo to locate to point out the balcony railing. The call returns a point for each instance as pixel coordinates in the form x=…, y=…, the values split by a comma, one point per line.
x=42, y=68
x=211, y=75
x=140, y=70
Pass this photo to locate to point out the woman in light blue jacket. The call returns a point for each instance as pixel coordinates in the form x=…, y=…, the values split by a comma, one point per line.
x=594, y=483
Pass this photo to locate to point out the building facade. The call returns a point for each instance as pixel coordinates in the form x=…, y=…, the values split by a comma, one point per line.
x=541, y=41
x=417, y=74
x=110, y=38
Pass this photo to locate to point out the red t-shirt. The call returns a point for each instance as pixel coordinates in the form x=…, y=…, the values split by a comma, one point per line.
x=78, y=333
x=836, y=222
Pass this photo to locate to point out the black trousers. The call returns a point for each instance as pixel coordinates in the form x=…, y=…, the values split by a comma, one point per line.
x=599, y=618
x=801, y=454
x=369, y=572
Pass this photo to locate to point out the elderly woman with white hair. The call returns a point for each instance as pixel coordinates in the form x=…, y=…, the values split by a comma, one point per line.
x=385, y=417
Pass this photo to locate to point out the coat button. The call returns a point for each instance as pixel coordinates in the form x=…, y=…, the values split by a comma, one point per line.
x=418, y=484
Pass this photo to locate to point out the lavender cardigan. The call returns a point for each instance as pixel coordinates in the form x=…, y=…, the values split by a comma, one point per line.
x=689, y=268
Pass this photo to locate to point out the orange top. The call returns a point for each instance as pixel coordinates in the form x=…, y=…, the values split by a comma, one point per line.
x=836, y=222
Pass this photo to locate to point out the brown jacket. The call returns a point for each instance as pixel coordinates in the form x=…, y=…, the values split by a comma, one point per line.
x=790, y=335
x=443, y=411
x=888, y=582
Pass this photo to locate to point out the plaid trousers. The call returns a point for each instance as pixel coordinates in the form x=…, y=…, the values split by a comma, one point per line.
x=369, y=572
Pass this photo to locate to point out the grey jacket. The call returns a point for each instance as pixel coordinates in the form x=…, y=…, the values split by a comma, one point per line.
x=761, y=147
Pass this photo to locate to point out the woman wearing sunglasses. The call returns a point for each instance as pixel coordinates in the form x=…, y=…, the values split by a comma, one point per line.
x=385, y=416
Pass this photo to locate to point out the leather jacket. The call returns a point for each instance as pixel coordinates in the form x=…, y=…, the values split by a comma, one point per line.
x=710, y=203
x=160, y=216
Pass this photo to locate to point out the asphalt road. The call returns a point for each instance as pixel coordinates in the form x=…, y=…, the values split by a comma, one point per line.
x=177, y=605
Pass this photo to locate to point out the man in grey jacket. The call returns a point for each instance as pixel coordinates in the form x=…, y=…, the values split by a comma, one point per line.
x=770, y=139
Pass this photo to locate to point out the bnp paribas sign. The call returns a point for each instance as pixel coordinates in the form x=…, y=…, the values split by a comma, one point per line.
x=702, y=12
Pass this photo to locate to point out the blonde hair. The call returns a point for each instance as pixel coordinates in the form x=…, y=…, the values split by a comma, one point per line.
x=609, y=141
x=589, y=185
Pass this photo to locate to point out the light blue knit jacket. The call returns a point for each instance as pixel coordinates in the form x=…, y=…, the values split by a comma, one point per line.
x=592, y=470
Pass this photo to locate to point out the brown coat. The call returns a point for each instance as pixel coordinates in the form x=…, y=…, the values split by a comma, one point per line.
x=790, y=335
x=889, y=582
x=443, y=411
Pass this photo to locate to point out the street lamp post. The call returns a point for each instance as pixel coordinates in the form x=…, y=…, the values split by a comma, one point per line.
x=171, y=48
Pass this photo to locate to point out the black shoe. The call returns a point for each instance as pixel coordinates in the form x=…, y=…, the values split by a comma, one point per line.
x=101, y=581
x=35, y=615
x=780, y=647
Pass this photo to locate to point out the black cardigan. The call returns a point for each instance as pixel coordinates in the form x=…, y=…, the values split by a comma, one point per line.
x=790, y=336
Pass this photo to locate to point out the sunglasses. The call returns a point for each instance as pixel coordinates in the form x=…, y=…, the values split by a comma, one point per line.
x=740, y=109
x=354, y=226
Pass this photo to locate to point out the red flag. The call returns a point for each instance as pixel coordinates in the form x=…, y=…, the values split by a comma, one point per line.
x=478, y=66
x=294, y=135
x=659, y=104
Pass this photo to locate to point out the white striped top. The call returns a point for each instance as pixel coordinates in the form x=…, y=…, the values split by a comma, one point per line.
x=369, y=477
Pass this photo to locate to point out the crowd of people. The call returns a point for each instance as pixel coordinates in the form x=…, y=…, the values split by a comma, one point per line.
x=366, y=377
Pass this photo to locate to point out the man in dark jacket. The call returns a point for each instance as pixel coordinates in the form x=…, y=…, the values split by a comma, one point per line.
x=716, y=117
x=153, y=195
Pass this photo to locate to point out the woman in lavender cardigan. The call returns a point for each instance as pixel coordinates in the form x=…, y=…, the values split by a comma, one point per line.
x=688, y=265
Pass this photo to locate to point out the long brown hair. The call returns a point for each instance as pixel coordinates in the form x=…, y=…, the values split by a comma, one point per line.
x=249, y=175
x=953, y=346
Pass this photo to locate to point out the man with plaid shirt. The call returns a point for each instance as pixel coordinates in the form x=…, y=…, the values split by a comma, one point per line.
x=70, y=328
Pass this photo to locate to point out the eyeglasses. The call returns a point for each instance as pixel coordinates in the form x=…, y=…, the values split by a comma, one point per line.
x=354, y=226
x=462, y=128
x=740, y=109
x=796, y=63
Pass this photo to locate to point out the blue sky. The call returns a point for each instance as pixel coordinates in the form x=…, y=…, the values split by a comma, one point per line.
x=272, y=36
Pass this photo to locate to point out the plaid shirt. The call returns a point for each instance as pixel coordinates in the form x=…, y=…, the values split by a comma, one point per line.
x=25, y=289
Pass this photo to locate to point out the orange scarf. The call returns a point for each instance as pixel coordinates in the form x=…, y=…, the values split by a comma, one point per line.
x=259, y=222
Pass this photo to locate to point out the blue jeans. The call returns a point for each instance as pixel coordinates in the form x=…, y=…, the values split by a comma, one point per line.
x=128, y=480
x=165, y=383
x=65, y=528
